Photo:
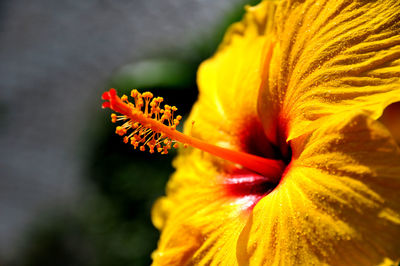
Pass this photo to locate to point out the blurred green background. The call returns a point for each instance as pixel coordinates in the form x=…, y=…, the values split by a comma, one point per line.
x=110, y=224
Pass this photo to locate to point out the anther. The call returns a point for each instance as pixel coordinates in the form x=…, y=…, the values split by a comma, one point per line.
x=113, y=118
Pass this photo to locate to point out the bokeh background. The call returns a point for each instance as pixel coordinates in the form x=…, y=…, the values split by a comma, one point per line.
x=71, y=193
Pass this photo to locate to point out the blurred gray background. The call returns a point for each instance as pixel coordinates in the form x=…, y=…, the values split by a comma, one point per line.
x=56, y=58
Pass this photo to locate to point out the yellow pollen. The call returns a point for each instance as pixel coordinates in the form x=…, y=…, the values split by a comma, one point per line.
x=142, y=134
x=120, y=130
x=113, y=118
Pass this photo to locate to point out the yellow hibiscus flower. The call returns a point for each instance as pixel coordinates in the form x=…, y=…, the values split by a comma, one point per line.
x=301, y=83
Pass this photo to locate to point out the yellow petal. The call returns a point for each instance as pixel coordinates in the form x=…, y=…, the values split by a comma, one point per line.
x=229, y=81
x=337, y=204
x=200, y=224
x=330, y=56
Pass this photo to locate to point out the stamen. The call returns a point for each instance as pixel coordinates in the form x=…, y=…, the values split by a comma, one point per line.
x=155, y=127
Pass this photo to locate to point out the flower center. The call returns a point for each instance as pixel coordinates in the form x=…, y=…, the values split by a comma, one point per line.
x=248, y=186
x=147, y=124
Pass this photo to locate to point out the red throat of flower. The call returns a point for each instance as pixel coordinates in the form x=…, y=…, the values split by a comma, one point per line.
x=147, y=124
